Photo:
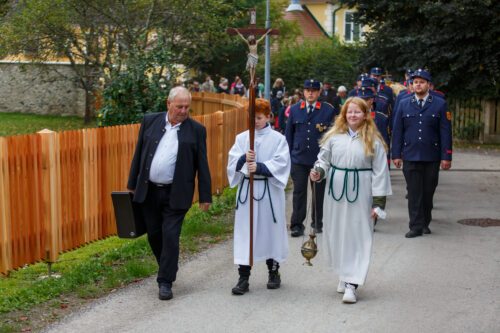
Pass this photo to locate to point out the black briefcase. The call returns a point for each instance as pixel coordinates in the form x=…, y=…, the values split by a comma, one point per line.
x=129, y=220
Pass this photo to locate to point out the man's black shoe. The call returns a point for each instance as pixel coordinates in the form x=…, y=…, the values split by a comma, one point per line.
x=317, y=230
x=241, y=287
x=165, y=292
x=274, y=281
x=427, y=231
x=413, y=234
x=297, y=232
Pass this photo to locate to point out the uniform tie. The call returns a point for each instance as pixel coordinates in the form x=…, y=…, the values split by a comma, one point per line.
x=420, y=103
x=311, y=108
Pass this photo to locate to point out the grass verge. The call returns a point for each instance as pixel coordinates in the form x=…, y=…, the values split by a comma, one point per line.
x=23, y=123
x=30, y=300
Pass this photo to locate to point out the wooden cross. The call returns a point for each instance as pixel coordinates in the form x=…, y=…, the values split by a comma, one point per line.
x=252, y=32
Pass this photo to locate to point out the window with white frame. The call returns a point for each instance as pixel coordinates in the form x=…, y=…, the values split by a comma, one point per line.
x=353, y=31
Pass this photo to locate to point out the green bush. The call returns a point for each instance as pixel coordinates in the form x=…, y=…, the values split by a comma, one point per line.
x=141, y=89
x=319, y=59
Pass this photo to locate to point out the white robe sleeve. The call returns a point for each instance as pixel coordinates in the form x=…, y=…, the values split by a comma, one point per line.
x=381, y=180
x=239, y=148
x=279, y=164
x=325, y=157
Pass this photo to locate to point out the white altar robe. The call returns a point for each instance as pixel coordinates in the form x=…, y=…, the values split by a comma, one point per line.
x=348, y=227
x=270, y=239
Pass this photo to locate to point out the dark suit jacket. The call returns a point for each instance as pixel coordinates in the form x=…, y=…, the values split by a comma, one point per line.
x=191, y=159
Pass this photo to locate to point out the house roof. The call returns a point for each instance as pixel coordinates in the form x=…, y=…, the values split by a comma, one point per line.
x=309, y=26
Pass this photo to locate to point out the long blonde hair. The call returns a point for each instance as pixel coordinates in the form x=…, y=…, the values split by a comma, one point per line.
x=367, y=131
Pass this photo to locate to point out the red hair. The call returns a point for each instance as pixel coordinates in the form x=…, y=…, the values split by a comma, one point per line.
x=262, y=106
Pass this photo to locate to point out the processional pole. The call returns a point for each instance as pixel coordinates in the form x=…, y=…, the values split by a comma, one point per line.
x=252, y=32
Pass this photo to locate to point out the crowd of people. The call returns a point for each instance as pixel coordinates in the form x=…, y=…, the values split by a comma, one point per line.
x=337, y=142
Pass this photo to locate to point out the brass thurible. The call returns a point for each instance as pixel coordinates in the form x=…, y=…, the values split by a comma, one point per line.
x=309, y=249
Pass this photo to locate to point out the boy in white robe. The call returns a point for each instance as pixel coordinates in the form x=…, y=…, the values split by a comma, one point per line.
x=270, y=164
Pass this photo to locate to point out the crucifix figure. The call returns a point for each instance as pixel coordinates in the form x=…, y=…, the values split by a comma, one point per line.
x=252, y=42
x=253, y=56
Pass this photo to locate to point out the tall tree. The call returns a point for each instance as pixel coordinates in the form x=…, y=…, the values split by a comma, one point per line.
x=98, y=37
x=456, y=39
x=227, y=57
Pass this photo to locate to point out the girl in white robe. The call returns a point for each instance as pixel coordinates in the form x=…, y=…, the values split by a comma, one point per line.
x=270, y=164
x=353, y=159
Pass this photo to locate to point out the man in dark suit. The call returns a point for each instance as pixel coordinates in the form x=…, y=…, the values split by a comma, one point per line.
x=328, y=93
x=308, y=121
x=421, y=143
x=170, y=151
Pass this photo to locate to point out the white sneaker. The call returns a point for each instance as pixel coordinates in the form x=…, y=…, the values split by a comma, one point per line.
x=341, y=287
x=349, y=294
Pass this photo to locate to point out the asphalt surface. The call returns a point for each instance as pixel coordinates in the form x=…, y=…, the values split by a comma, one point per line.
x=448, y=281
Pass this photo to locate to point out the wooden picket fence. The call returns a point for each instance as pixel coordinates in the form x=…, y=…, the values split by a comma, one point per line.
x=475, y=119
x=55, y=187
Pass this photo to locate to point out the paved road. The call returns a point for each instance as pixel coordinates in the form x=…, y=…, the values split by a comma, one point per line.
x=445, y=282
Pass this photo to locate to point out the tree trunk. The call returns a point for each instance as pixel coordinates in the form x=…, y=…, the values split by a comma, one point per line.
x=89, y=106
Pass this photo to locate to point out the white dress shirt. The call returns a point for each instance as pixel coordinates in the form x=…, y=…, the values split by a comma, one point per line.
x=163, y=164
x=424, y=99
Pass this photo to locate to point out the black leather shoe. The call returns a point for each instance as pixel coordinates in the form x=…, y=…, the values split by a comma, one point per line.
x=274, y=281
x=413, y=234
x=427, y=231
x=297, y=232
x=241, y=287
x=318, y=230
x=165, y=292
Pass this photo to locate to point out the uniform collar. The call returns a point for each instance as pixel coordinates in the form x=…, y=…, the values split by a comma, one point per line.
x=427, y=99
x=305, y=104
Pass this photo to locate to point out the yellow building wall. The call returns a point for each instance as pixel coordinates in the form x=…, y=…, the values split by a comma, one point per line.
x=323, y=13
x=318, y=11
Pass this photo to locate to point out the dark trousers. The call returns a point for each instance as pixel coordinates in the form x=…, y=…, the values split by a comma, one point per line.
x=300, y=177
x=244, y=270
x=421, y=182
x=163, y=225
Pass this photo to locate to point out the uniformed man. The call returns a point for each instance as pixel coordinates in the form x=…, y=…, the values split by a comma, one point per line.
x=379, y=115
x=308, y=121
x=408, y=75
x=421, y=143
x=354, y=92
x=382, y=88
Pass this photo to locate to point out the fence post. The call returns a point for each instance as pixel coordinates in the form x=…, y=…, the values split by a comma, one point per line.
x=5, y=230
x=51, y=194
x=489, y=118
x=221, y=168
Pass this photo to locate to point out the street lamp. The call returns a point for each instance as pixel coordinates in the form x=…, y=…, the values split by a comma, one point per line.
x=267, y=65
x=294, y=6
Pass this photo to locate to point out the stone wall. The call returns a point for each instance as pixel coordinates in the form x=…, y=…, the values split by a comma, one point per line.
x=41, y=89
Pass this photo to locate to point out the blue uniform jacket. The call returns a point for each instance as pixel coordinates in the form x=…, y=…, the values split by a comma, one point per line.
x=303, y=131
x=387, y=92
x=353, y=92
x=422, y=134
x=382, y=121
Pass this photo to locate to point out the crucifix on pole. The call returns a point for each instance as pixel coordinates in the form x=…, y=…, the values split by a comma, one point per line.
x=252, y=32
x=249, y=36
